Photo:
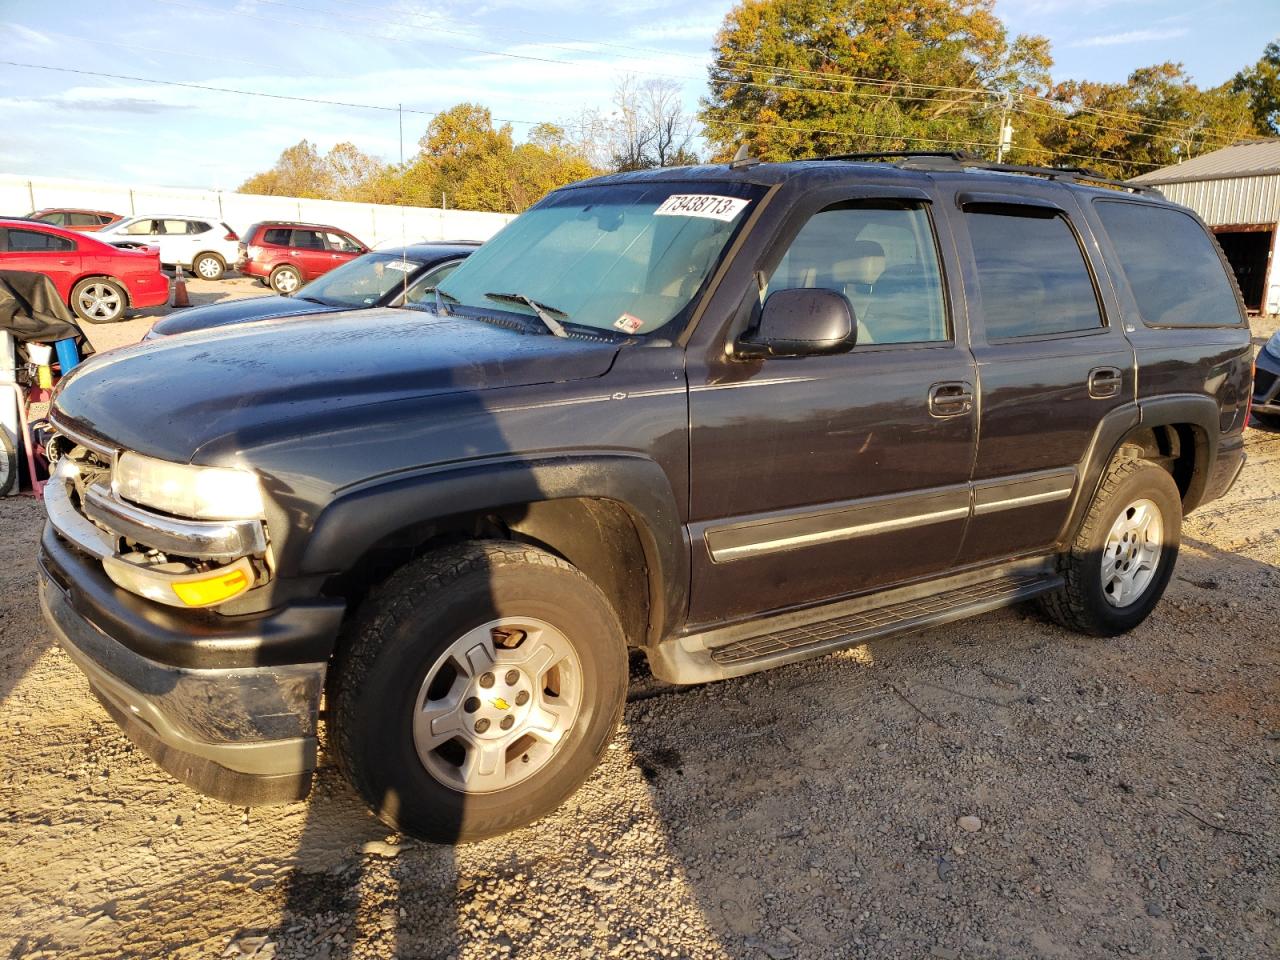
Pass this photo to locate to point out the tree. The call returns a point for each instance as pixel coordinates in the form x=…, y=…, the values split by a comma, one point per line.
x=352, y=172
x=300, y=171
x=1261, y=84
x=799, y=78
x=1157, y=117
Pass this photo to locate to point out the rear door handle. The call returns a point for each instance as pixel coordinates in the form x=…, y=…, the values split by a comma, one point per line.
x=1105, y=382
x=952, y=399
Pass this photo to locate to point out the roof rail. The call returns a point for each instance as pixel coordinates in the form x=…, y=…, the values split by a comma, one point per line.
x=961, y=159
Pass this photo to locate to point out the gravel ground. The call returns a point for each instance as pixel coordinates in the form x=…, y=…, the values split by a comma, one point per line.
x=998, y=788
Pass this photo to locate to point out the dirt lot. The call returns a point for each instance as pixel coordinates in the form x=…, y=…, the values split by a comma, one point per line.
x=1127, y=793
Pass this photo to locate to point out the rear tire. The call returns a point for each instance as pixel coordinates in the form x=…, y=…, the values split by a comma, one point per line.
x=99, y=300
x=209, y=266
x=483, y=655
x=1123, y=554
x=285, y=280
x=1269, y=421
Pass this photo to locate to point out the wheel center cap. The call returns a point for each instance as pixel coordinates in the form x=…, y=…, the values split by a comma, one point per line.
x=501, y=704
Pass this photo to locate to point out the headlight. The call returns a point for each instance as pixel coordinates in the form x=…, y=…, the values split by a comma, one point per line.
x=202, y=493
x=1273, y=345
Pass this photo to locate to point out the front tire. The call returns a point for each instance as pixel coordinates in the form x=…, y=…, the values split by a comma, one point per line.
x=99, y=300
x=477, y=689
x=285, y=280
x=209, y=266
x=1124, y=553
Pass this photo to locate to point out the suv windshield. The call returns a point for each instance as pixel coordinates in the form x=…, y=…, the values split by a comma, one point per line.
x=362, y=281
x=623, y=257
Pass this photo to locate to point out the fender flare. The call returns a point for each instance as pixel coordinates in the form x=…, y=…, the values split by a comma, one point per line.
x=362, y=516
x=1118, y=424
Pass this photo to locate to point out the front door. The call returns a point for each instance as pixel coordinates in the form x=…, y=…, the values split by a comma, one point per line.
x=821, y=476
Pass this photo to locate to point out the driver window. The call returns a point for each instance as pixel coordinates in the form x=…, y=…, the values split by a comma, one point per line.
x=882, y=259
x=142, y=228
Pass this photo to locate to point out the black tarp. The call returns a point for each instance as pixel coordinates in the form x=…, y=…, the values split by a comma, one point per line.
x=31, y=309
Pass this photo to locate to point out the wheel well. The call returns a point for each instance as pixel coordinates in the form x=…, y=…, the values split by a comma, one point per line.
x=210, y=253
x=1181, y=448
x=597, y=536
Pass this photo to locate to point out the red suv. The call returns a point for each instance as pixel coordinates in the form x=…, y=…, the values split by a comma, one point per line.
x=98, y=281
x=286, y=255
x=81, y=221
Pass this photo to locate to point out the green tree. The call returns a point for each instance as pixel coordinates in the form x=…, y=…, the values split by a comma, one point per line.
x=1261, y=84
x=799, y=78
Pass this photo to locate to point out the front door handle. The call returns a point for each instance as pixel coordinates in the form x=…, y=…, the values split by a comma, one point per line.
x=1105, y=382
x=952, y=399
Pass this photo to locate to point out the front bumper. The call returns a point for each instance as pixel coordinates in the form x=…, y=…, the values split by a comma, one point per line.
x=245, y=734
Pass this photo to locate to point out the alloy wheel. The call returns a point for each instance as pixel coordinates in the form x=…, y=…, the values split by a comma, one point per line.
x=497, y=704
x=100, y=301
x=1131, y=553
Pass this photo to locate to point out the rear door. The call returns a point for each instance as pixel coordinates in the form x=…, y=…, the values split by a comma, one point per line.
x=1052, y=361
x=307, y=251
x=39, y=252
x=820, y=476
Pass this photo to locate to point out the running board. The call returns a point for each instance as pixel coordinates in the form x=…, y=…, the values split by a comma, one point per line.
x=786, y=638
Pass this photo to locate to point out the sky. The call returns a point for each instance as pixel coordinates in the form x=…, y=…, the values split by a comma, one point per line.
x=527, y=61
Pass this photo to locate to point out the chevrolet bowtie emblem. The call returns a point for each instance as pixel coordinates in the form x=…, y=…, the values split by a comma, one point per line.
x=501, y=704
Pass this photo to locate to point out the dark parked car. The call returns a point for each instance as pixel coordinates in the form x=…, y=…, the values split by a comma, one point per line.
x=733, y=416
x=1266, y=384
x=285, y=255
x=385, y=278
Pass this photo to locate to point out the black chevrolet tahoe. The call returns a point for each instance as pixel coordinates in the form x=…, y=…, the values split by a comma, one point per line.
x=732, y=416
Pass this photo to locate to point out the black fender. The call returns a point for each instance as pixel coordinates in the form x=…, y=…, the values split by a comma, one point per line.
x=1120, y=423
x=361, y=517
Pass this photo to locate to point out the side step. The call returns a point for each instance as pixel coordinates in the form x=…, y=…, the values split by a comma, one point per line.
x=787, y=638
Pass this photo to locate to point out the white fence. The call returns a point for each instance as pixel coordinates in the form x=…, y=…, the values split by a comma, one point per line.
x=374, y=223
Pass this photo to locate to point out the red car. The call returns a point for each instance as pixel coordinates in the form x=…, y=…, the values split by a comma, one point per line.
x=286, y=255
x=81, y=221
x=99, y=282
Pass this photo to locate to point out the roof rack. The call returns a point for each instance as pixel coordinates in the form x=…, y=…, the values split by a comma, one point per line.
x=962, y=159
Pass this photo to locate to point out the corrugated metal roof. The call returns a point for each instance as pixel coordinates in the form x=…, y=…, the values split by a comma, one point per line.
x=1238, y=160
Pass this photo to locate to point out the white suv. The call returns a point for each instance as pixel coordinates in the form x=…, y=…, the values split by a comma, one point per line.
x=206, y=247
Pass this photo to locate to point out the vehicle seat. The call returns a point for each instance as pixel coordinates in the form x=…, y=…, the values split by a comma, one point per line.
x=857, y=275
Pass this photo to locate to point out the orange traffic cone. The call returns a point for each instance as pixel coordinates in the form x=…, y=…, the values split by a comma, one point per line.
x=180, y=298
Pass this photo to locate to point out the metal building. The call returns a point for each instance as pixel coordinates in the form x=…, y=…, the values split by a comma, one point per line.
x=1236, y=191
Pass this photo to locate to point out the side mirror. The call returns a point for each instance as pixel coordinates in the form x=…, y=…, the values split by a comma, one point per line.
x=798, y=323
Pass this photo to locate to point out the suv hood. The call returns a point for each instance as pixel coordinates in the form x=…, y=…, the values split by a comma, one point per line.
x=169, y=397
x=234, y=311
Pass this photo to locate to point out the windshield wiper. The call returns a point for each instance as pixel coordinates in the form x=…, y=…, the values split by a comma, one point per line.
x=322, y=303
x=442, y=310
x=544, y=311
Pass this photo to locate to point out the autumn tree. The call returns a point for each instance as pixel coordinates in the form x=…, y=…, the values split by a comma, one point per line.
x=1157, y=117
x=300, y=171
x=801, y=78
x=1260, y=83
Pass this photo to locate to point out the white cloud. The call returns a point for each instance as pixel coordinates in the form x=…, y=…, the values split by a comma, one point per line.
x=1131, y=36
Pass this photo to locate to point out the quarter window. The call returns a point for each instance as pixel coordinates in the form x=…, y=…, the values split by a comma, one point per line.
x=1175, y=273
x=1032, y=276
x=882, y=259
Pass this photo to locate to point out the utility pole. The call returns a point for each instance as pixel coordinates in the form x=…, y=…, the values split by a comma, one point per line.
x=1006, y=129
x=400, y=111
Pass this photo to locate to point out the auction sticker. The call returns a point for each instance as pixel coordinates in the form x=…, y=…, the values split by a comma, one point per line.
x=628, y=324
x=701, y=205
x=401, y=266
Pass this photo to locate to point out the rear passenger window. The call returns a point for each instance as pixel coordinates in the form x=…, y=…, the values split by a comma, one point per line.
x=83, y=219
x=1032, y=277
x=1172, y=267
x=307, y=240
x=884, y=261
x=33, y=241
x=278, y=236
